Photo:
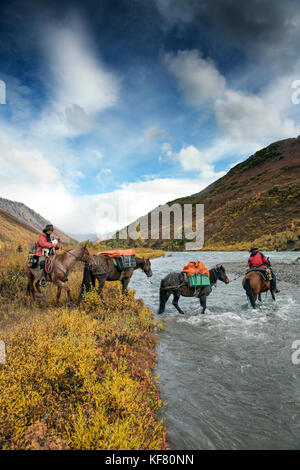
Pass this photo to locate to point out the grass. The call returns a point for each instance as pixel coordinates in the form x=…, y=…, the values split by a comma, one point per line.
x=78, y=377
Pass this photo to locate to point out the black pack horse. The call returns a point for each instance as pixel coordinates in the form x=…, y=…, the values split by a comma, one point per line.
x=176, y=284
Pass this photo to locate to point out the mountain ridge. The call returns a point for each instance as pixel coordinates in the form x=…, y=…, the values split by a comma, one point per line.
x=257, y=201
x=25, y=214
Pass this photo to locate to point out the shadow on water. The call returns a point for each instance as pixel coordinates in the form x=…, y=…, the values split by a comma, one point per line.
x=227, y=375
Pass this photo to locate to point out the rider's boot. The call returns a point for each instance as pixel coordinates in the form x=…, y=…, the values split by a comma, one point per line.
x=273, y=285
x=42, y=278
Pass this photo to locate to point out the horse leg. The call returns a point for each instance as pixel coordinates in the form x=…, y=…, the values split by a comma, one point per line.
x=30, y=286
x=202, y=299
x=249, y=291
x=58, y=294
x=61, y=285
x=272, y=294
x=125, y=283
x=37, y=286
x=101, y=283
x=259, y=297
x=176, y=297
x=163, y=299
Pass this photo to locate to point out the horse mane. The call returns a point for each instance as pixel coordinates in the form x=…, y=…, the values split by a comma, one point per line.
x=63, y=255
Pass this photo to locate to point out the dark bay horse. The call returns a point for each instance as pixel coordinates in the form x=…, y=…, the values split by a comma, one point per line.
x=175, y=283
x=254, y=284
x=104, y=269
x=62, y=264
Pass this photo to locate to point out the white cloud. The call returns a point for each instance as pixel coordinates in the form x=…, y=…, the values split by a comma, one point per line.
x=198, y=78
x=192, y=159
x=97, y=153
x=23, y=163
x=80, y=85
x=246, y=118
x=103, y=171
x=245, y=121
x=103, y=213
x=155, y=133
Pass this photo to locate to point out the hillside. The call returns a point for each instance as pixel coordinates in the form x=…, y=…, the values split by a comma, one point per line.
x=257, y=201
x=14, y=232
x=28, y=216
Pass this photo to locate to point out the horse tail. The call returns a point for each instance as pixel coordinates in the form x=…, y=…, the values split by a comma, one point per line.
x=249, y=291
x=162, y=298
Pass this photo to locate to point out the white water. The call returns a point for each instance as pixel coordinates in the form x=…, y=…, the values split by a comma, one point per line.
x=227, y=375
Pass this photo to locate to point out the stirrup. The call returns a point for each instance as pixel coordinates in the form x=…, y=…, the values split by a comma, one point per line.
x=43, y=282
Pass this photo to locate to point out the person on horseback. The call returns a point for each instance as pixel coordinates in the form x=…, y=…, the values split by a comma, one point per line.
x=259, y=260
x=45, y=247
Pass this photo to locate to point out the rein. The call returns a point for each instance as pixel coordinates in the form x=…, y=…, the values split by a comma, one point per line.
x=72, y=254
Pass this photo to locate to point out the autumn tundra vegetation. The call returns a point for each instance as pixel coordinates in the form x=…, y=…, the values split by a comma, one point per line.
x=79, y=377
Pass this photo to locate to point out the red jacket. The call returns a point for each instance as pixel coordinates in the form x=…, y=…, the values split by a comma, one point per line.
x=42, y=243
x=257, y=258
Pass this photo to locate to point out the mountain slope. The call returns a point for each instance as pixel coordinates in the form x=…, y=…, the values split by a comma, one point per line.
x=257, y=201
x=15, y=232
x=30, y=217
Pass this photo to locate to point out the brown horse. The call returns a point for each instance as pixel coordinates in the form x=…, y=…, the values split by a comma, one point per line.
x=103, y=268
x=62, y=264
x=254, y=284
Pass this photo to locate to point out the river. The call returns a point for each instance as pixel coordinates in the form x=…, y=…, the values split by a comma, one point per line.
x=227, y=376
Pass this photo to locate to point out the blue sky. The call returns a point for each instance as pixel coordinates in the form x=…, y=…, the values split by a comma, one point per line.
x=116, y=106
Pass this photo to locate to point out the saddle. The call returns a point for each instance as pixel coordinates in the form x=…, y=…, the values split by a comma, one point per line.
x=265, y=273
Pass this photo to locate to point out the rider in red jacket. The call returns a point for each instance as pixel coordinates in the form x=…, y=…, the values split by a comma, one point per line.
x=259, y=260
x=45, y=241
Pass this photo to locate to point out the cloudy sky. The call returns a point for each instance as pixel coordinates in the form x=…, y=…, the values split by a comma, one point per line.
x=116, y=106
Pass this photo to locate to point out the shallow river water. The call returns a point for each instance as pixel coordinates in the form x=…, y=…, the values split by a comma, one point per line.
x=227, y=376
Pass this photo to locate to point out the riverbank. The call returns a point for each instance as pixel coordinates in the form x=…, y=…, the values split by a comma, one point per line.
x=78, y=378
x=288, y=272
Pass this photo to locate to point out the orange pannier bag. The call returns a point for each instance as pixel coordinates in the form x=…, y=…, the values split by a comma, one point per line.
x=195, y=267
x=117, y=253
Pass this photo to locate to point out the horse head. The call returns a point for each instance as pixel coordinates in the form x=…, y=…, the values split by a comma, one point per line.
x=84, y=254
x=147, y=267
x=221, y=274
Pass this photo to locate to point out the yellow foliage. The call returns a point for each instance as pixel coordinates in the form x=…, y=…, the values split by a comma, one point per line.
x=79, y=378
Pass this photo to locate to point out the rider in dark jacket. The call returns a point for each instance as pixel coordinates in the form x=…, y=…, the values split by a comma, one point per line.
x=259, y=260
